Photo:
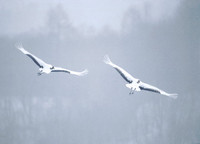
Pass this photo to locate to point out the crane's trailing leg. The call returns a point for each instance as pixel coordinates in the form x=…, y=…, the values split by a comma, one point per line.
x=131, y=91
x=39, y=73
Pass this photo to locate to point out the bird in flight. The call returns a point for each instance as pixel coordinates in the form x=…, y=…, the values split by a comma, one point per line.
x=135, y=84
x=48, y=68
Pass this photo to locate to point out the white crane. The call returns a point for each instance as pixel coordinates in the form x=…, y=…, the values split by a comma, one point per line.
x=47, y=68
x=135, y=84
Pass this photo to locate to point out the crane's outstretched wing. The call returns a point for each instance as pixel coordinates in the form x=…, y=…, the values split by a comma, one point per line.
x=59, y=69
x=120, y=70
x=147, y=87
x=36, y=60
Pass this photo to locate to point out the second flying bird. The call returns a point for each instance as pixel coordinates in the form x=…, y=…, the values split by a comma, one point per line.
x=135, y=84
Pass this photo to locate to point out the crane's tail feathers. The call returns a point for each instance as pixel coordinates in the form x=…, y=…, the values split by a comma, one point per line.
x=174, y=96
x=83, y=73
x=107, y=60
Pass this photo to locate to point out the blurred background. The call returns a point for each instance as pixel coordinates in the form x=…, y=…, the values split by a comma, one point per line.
x=156, y=41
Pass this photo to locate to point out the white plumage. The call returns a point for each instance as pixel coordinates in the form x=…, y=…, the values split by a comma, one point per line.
x=135, y=84
x=47, y=68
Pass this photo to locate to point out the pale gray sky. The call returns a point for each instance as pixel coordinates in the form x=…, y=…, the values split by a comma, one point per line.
x=22, y=16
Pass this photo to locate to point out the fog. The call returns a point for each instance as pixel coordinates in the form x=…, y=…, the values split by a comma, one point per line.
x=155, y=42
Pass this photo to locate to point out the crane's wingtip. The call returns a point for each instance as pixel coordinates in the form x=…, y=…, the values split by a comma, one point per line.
x=20, y=47
x=85, y=72
x=174, y=96
x=107, y=59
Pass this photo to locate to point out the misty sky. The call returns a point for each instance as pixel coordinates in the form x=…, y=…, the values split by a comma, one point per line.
x=22, y=16
x=156, y=41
